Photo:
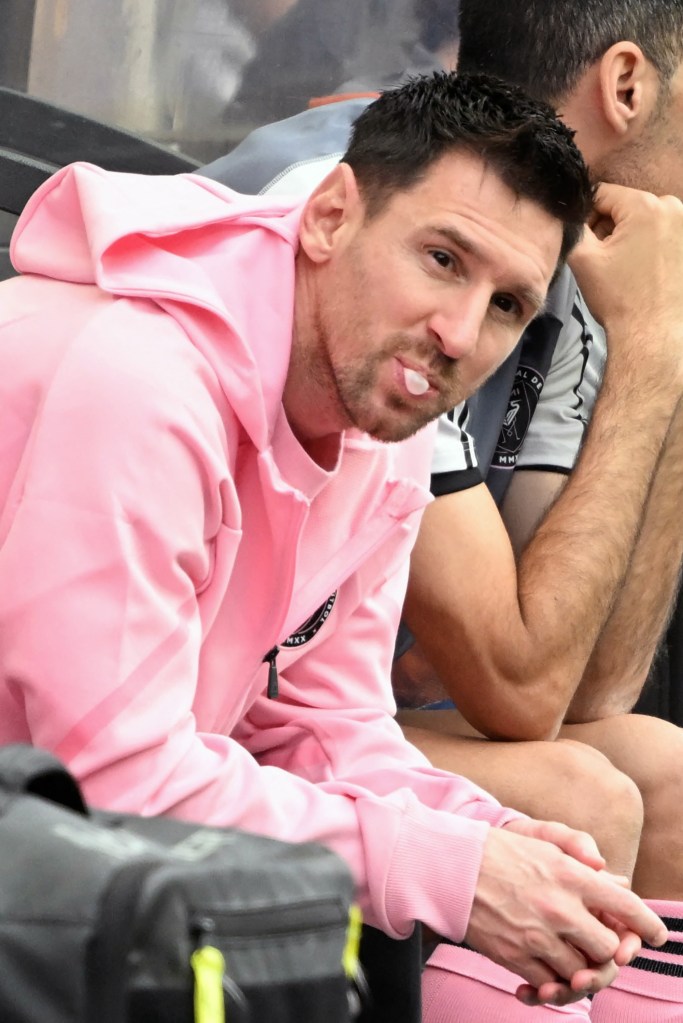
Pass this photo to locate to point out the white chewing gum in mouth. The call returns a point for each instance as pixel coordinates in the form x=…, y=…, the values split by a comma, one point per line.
x=415, y=382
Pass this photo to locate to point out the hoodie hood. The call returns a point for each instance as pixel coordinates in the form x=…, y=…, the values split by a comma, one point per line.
x=188, y=244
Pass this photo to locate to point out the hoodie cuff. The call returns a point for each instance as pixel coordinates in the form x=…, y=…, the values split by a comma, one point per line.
x=434, y=869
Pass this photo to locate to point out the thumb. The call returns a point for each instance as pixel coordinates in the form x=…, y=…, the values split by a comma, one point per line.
x=590, y=242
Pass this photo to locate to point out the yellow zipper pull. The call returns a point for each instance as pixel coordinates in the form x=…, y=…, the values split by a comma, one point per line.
x=208, y=966
x=352, y=947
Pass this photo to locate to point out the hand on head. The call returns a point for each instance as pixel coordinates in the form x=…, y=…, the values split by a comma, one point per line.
x=629, y=265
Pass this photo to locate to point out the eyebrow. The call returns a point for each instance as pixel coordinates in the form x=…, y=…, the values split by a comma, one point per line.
x=529, y=295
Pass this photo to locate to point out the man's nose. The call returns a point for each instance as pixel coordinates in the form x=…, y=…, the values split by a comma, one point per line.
x=457, y=324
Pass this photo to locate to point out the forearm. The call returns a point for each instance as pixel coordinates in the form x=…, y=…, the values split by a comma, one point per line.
x=622, y=657
x=571, y=573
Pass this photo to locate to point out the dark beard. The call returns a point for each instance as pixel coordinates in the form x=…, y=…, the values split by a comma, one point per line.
x=353, y=389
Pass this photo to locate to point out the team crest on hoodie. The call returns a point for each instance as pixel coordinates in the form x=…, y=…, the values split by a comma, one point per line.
x=312, y=625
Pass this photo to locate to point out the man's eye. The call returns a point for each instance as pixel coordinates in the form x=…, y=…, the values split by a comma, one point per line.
x=507, y=304
x=444, y=259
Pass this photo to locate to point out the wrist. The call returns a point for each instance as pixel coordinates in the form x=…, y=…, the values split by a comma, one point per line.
x=646, y=355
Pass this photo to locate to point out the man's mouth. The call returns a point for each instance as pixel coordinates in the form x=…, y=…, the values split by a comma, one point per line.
x=416, y=384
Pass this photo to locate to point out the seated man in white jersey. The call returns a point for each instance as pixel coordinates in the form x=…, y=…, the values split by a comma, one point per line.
x=530, y=650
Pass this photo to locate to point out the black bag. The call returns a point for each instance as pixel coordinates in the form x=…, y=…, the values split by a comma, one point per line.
x=110, y=918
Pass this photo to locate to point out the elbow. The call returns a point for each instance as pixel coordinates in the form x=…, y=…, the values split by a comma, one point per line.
x=510, y=700
x=529, y=716
x=523, y=730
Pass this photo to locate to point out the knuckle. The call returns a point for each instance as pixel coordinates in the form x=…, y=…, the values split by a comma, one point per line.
x=536, y=942
x=606, y=945
x=672, y=204
x=555, y=915
x=569, y=875
x=648, y=201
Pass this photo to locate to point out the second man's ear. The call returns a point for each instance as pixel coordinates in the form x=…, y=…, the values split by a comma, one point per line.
x=628, y=87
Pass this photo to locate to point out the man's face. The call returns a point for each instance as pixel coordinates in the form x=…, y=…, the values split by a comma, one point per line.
x=420, y=303
x=653, y=160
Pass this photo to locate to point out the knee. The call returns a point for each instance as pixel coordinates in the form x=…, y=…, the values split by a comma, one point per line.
x=655, y=761
x=650, y=751
x=606, y=800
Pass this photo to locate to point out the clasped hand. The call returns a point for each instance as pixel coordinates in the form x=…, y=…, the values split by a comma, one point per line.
x=547, y=909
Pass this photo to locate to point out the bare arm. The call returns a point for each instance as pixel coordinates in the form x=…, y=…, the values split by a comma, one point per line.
x=513, y=649
x=464, y=609
x=527, y=499
x=621, y=659
x=618, y=667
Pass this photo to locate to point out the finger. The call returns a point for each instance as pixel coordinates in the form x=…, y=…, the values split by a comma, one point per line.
x=629, y=948
x=594, y=978
x=577, y=844
x=603, y=227
x=599, y=224
x=588, y=244
x=527, y=995
x=621, y=879
x=559, y=994
x=555, y=993
x=628, y=910
x=614, y=201
x=550, y=964
x=536, y=973
x=564, y=960
x=629, y=943
x=597, y=941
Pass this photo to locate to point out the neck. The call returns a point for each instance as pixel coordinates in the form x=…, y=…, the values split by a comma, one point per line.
x=305, y=408
x=310, y=398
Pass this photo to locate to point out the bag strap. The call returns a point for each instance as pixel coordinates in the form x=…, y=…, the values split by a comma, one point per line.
x=31, y=770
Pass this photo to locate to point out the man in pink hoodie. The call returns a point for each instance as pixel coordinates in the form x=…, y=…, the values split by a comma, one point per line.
x=214, y=465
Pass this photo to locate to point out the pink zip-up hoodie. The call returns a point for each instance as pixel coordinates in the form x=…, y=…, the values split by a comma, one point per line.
x=162, y=531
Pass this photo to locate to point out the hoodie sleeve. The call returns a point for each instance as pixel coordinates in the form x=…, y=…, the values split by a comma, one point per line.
x=333, y=724
x=109, y=540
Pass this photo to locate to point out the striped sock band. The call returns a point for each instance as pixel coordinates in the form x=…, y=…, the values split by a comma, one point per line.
x=667, y=960
x=650, y=990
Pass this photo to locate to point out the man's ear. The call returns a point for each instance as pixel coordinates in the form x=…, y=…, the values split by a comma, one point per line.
x=331, y=215
x=628, y=86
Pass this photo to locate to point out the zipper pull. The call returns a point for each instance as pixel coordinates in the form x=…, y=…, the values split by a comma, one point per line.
x=208, y=966
x=212, y=983
x=271, y=657
x=358, y=992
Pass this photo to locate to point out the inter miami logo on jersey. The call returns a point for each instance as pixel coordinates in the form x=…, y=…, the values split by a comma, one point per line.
x=312, y=625
x=521, y=407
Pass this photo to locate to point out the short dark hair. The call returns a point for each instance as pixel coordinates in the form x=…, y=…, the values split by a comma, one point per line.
x=543, y=46
x=399, y=136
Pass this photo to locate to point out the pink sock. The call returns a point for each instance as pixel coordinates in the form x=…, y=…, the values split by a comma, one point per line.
x=651, y=990
x=461, y=986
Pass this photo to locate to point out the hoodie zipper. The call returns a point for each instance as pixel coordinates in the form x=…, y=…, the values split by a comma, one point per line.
x=270, y=658
x=381, y=530
x=273, y=685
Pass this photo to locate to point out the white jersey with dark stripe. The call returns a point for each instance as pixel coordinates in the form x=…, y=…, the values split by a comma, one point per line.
x=532, y=413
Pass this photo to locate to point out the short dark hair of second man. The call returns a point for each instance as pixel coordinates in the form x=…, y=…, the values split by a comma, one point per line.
x=544, y=46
